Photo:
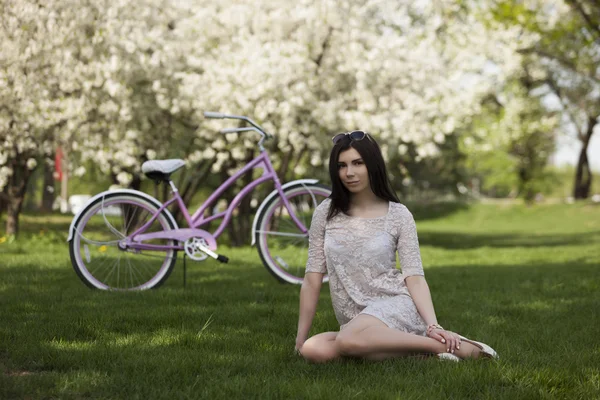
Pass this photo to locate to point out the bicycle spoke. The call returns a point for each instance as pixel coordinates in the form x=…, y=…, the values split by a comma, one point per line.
x=95, y=242
x=282, y=245
x=289, y=224
x=136, y=272
x=110, y=227
x=117, y=262
x=128, y=221
x=103, y=264
x=299, y=214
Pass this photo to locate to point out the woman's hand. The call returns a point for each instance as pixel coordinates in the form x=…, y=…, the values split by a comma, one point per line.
x=451, y=339
x=299, y=344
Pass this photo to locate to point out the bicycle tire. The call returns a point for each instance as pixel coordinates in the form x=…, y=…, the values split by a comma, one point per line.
x=96, y=223
x=272, y=251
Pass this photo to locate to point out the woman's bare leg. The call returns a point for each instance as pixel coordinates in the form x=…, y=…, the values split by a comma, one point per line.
x=321, y=348
x=368, y=337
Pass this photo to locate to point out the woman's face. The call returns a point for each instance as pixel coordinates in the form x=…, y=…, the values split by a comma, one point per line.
x=353, y=171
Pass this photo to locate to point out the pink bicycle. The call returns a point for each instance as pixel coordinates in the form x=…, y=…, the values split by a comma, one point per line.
x=128, y=240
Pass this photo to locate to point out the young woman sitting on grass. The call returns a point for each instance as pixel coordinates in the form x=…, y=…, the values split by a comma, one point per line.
x=383, y=312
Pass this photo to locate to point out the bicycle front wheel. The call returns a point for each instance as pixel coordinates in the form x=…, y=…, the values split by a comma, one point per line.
x=282, y=247
x=95, y=252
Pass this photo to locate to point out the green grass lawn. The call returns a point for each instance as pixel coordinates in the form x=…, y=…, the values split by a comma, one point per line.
x=525, y=280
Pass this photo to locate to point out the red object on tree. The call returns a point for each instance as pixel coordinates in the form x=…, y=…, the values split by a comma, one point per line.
x=58, y=172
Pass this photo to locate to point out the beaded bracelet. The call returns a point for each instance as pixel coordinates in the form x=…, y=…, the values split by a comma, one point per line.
x=432, y=327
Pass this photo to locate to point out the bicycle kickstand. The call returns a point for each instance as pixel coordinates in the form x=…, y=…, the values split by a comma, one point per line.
x=184, y=270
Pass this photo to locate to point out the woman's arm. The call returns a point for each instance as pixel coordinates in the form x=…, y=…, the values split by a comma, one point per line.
x=316, y=267
x=412, y=270
x=412, y=267
x=419, y=291
x=309, y=298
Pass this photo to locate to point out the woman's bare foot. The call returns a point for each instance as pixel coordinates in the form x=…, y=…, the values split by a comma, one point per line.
x=468, y=350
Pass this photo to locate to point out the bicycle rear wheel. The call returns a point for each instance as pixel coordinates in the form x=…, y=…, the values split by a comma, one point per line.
x=95, y=253
x=282, y=247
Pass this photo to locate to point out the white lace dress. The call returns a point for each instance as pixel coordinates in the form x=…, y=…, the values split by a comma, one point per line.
x=359, y=254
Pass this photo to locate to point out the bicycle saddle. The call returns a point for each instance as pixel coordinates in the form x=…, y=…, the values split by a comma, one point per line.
x=161, y=169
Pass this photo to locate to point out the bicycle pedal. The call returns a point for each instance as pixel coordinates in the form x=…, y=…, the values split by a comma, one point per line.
x=222, y=259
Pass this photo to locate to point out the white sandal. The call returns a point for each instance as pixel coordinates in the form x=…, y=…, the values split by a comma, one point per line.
x=448, y=357
x=486, y=350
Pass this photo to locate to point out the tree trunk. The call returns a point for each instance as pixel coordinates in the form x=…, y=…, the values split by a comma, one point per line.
x=583, y=176
x=583, y=173
x=297, y=162
x=239, y=226
x=12, y=216
x=3, y=200
x=48, y=190
x=136, y=182
x=243, y=219
x=285, y=163
x=229, y=194
x=17, y=186
x=188, y=186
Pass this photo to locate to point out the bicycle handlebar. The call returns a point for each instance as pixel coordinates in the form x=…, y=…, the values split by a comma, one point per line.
x=235, y=130
x=212, y=114
x=218, y=115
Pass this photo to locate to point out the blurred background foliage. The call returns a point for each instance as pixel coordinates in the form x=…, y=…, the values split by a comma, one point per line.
x=468, y=99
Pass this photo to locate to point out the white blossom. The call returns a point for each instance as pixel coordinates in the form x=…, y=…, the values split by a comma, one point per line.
x=79, y=171
x=151, y=154
x=124, y=178
x=31, y=163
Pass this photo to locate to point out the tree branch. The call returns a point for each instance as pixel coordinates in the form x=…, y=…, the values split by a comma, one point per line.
x=577, y=6
x=324, y=47
x=592, y=121
x=566, y=63
x=565, y=107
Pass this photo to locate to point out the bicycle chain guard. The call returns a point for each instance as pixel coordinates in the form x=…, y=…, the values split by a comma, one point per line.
x=192, y=248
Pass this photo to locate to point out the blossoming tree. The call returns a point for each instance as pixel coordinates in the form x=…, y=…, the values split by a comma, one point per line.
x=123, y=82
x=37, y=99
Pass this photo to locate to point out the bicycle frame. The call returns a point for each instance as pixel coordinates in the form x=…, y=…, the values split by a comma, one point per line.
x=197, y=219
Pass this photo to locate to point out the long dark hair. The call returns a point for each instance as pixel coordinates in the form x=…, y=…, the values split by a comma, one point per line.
x=378, y=178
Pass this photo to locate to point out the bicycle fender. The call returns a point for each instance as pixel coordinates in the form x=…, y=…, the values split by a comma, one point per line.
x=269, y=197
x=118, y=191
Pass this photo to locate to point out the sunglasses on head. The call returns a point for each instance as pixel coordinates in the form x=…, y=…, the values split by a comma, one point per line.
x=354, y=135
